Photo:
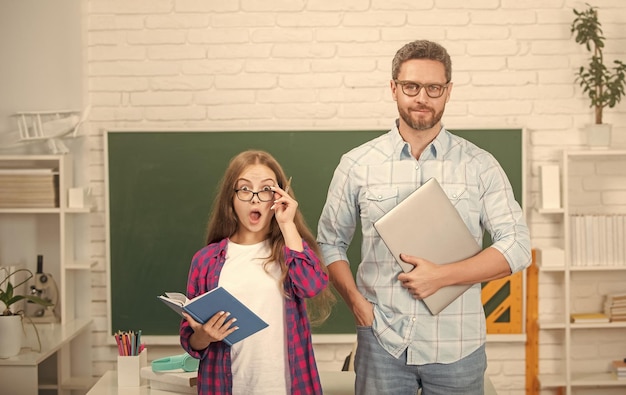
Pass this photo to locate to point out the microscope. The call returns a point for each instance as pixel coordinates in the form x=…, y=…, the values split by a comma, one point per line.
x=44, y=287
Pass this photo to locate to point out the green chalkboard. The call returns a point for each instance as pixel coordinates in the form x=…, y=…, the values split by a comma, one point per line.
x=160, y=189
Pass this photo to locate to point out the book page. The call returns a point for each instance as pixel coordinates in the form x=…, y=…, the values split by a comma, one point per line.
x=177, y=297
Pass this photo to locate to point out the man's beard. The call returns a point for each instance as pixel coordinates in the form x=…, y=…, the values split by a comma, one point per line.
x=421, y=123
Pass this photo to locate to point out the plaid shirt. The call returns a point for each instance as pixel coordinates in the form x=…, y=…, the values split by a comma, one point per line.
x=369, y=181
x=306, y=279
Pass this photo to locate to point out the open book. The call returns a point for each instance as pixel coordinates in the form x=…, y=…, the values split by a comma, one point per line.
x=205, y=306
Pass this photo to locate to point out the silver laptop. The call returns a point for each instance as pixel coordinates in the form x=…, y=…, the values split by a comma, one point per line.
x=427, y=225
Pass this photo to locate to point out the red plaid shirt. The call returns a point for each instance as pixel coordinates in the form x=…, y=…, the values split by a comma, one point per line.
x=306, y=279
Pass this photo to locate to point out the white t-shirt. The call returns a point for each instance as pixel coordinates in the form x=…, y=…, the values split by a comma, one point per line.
x=258, y=363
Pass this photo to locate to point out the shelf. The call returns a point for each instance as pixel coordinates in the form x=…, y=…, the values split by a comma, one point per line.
x=78, y=210
x=506, y=337
x=596, y=268
x=551, y=325
x=81, y=265
x=63, y=364
x=52, y=210
x=587, y=177
x=551, y=380
x=45, y=385
x=580, y=380
x=545, y=268
x=53, y=337
x=598, y=325
x=596, y=153
x=548, y=268
x=560, y=210
x=596, y=379
x=79, y=383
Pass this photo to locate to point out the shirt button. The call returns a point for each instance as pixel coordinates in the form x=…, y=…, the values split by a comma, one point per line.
x=414, y=319
x=380, y=197
x=417, y=167
x=454, y=195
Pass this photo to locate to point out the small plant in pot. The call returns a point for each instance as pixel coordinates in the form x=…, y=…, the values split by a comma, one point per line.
x=603, y=85
x=11, y=321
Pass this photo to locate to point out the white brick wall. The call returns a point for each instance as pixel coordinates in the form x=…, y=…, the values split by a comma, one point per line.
x=295, y=64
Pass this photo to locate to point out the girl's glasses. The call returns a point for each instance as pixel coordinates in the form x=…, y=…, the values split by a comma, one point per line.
x=247, y=195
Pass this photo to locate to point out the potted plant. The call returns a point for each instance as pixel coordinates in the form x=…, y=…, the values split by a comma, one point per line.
x=11, y=318
x=603, y=86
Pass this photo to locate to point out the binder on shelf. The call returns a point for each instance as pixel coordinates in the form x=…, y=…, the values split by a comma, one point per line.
x=550, y=186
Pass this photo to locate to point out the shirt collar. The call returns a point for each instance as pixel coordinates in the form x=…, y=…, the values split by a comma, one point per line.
x=438, y=147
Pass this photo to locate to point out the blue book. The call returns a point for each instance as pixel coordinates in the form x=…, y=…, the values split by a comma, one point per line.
x=203, y=307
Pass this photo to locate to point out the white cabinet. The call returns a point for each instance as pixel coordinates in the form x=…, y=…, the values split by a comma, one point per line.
x=60, y=235
x=576, y=356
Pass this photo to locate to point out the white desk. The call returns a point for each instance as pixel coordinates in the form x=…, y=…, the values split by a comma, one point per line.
x=333, y=383
x=19, y=375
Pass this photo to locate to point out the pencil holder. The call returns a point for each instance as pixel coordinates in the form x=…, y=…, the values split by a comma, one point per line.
x=129, y=369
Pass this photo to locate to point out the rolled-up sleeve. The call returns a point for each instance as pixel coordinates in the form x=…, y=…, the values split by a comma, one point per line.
x=338, y=220
x=503, y=217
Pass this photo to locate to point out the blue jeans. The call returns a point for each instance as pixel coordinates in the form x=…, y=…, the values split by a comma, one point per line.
x=379, y=373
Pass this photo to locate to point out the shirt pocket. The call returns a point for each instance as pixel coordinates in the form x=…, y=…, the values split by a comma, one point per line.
x=459, y=196
x=379, y=201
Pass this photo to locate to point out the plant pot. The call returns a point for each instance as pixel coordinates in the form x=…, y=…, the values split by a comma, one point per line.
x=599, y=136
x=10, y=335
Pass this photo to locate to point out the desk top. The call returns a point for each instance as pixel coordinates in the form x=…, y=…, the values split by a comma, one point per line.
x=333, y=383
x=53, y=336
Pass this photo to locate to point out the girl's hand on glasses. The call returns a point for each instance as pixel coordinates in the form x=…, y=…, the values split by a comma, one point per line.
x=284, y=206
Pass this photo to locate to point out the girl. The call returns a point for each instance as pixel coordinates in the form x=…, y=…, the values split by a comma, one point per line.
x=260, y=249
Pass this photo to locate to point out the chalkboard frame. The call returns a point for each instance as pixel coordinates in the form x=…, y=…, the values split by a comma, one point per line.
x=513, y=137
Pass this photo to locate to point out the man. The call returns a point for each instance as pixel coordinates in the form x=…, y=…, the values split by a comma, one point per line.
x=401, y=346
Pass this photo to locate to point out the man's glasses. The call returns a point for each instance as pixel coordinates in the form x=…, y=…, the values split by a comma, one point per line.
x=247, y=195
x=412, y=89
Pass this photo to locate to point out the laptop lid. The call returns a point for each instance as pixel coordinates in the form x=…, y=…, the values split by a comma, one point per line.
x=427, y=225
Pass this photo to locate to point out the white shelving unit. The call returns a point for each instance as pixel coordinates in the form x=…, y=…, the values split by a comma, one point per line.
x=59, y=234
x=589, y=179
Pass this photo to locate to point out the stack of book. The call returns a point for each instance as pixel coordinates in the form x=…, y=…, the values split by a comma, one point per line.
x=598, y=240
x=615, y=307
x=588, y=318
x=29, y=188
x=176, y=380
x=618, y=368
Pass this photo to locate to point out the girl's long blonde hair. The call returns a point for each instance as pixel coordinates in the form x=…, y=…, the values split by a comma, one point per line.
x=223, y=223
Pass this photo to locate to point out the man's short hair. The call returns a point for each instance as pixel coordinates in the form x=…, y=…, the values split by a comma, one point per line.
x=421, y=49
